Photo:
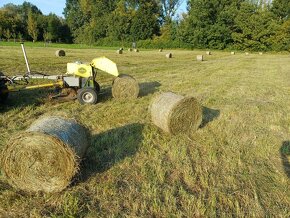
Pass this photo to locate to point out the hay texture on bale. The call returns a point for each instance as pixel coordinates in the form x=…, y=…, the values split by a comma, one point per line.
x=60, y=53
x=125, y=87
x=119, y=51
x=169, y=55
x=46, y=156
x=175, y=113
x=199, y=57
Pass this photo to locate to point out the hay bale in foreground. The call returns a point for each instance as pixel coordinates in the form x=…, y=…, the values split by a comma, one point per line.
x=46, y=156
x=169, y=55
x=199, y=57
x=125, y=87
x=176, y=114
x=60, y=53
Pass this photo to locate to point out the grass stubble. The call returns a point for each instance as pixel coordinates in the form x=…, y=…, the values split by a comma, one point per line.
x=230, y=167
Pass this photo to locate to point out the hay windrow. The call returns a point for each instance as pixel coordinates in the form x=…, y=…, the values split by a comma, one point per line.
x=46, y=157
x=176, y=114
x=125, y=87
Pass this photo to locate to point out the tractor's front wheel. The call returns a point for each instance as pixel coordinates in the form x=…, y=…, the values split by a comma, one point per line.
x=87, y=96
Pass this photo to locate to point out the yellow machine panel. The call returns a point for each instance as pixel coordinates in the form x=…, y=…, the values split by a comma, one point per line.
x=81, y=70
x=105, y=65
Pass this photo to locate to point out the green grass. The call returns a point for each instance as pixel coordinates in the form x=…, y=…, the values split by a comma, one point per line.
x=237, y=164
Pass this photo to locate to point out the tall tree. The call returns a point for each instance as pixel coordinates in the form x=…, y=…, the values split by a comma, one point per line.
x=169, y=8
x=32, y=26
x=281, y=8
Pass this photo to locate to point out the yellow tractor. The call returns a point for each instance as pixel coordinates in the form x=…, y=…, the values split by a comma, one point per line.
x=78, y=82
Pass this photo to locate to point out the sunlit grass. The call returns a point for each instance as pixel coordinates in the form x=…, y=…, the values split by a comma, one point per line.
x=235, y=165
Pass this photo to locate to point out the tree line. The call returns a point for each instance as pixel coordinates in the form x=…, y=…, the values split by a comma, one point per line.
x=215, y=24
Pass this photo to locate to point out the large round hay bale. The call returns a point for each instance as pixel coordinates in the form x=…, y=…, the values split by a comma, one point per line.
x=136, y=50
x=60, y=53
x=46, y=156
x=208, y=52
x=169, y=55
x=119, y=51
x=130, y=49
x=125, y=87
x=175, y=113
x=199, y=57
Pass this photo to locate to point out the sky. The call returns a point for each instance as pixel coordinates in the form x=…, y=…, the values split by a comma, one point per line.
x=57, y=6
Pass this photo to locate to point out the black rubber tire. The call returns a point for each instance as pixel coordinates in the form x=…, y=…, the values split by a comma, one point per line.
x=87, y=96
x=97, y=86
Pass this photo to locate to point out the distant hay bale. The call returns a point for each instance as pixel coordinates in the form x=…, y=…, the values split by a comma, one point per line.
x=208, y=53
x=260, y=53
x=233, y=53
x=130, y=49
x=199, y=57
x=161, y=50
x=60, y=53
x=247, y=53
x=119, y=51
x=125, y=87
x=176, y=114
x=169, y=55
x=46, y=156
x=136, y=50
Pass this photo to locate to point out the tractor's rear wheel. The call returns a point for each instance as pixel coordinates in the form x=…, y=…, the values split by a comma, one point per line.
x=3, y=90
x=87, y=96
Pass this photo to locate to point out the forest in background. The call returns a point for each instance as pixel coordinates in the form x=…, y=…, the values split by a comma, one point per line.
x=258, y=25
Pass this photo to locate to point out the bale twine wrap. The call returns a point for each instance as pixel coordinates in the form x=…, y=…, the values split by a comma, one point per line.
x=199, y=57
x=169, y=55
x=46, y=156
x=125, y=87
x=175, y=113
x=60, y=53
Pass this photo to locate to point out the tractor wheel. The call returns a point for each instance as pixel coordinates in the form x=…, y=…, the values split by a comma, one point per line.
x=3, y=90
x=87, y=96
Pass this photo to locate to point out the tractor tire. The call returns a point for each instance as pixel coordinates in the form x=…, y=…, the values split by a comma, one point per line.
x=3, y=90
x=87, y=96
x=97, y=86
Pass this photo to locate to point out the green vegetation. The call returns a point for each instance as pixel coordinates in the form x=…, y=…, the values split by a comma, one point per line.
x=255, y=25
x=236, y=164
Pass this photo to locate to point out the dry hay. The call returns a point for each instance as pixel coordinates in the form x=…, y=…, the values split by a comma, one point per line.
x=208, y=53
x=125, y=87
x=233, y=53
x=161, y=50
x=130, y=49
x=260, y=53
x=60, y=53
x=45, y=157
x=169, y=55
x=247, y=53
x=136, y=50
x=176, y=114
x=199, y=57
x=119, y=51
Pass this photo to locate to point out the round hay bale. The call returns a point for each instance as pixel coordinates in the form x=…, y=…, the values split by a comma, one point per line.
x=161, y=50
x=260, y=53
x=60, y=53
x=46, y=156
x=125, y=87
x=199, y=57
x=169, y=55
x=136, y=50
x=176, y=114
x=130, y=49
x=208, y=53
x=233, y=53
x=119, y=51
x=247, y=53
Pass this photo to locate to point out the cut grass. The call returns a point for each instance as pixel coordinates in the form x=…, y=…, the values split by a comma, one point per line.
x=235, y=165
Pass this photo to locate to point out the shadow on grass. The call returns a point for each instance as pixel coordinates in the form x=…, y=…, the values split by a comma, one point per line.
x=208, y=115
x=148, y=88
x=284, y=153
x=25, y=98
x=105, y=94
x=109, y=148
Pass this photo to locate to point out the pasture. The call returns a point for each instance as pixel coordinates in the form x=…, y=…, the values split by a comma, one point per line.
x=236, y=164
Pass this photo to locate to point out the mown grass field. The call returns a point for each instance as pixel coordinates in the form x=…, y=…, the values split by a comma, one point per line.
x=236, y=164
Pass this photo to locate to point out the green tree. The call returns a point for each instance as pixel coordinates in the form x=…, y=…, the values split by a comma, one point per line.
x=32, y=26
x=281, y=8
